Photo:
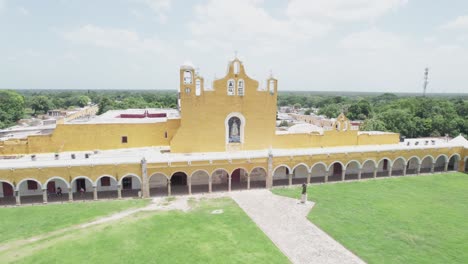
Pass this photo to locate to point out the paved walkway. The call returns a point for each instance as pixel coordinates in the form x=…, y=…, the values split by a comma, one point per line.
x=284, y=221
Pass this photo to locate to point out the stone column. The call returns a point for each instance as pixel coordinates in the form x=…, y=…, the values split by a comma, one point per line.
x=343, y=175
x=44, y=196
x=432, y=167
x=95, y=193
x=229, y=183
x=290, y=176
x=269, y=177
x=390, y=169
x=404, y=170
x=309, y=175
x=359, y=173
x=375, y=172
x=326, y=175
x=210, y=184
x=18, y=197
x=189, y=183
x=446, y=166
x=418, y=170
x=248, y=181
x=144, y=179
x=119, y=191
x=70, y=195
x=168, y=187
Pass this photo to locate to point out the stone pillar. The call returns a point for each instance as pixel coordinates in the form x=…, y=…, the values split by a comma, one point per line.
x=375, y=172
x=390, y=168
x=70, y=194
x=290, y=176
x=404, y=170
x=18, y=197
x=44, y=196
x=189, y=183
x=359, y=173
x=343, y=175
x=269, y=177
x=248, y=181
x=446, y=166
x=418, y=169
x=95, y=193
x=168, y=187
x=432, y=167
x=144, y=179
x=326, y=175
x=119, y=191
x=210, y=184
x=309, y=175
x=229, y=183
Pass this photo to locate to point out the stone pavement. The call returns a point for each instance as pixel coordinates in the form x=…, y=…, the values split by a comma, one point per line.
x=284, y=221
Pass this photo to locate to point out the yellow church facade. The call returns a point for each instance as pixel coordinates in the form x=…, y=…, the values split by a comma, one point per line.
x=222, y=138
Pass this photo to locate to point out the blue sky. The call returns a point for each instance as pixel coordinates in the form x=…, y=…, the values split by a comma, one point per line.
x=315, y=45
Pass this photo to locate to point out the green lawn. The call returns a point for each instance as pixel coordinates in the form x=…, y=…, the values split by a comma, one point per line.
x=197, y=236
x=420, y=219
x=27, y=221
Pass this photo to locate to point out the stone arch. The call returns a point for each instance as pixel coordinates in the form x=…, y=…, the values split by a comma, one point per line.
x=220, y=179
x=58, y=178
x=368, y=167
x=227, y=125
x=383, y=167
x=352, y=169
x=398, y=167
x=454, y=162
x=281, y=175
x=130, y=185
x=466, y=164
x=82, y=182
x=239, y=178
x=179, y=182
x=336, y=171
x=318, y=172
x=27, y=194
x=440, y=161
x=258, y=176
x=158, y=184
x=200, y=181
x=426, y=164
x=300, y=173
x=53, y=184
x=412, y=165
x=106, y=188
x=7, y=193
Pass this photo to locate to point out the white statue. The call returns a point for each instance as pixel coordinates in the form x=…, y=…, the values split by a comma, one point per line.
x=234, y=129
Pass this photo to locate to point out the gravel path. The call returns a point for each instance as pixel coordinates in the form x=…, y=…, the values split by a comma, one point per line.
x=284, y=221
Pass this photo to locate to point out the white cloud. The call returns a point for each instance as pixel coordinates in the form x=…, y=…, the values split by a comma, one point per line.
x=160, y=7
x=372, y=40
x=113, y=38
x=342, y=9
x=460, y=22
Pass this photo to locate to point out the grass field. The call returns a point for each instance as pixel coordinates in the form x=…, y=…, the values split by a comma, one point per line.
x=421, y=219
x=197, y=236
x=27, y=221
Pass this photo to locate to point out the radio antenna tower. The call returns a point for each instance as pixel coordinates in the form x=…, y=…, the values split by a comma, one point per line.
x=426, y=76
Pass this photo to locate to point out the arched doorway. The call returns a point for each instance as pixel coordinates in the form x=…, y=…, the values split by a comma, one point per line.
x=179, y=183
x=57, y=189
x=439, y=165
x=158, y=184
x=318, y=173
x=466, y=164
x=30, y=191
x=453, y=163
x=7, y=193
x=239, y=179
x=106, y=187
x=258, y=178
x=200, y=181
x=130, y=185
x=220, y=180
x=398, y=167
x=383, y=168
x=300, y=174
x=82, y=188
x=352, y=170
x=426, y=164
x=335, y=172
x=368, y=168
x=281, y=176
x=412, y=166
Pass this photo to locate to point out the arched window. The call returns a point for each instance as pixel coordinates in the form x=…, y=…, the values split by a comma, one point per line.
x=187, y=77
x=230, y=87
x=240, y=87
x=234, y=124
x=271, y=86
x=197, y=87
x=236, y=67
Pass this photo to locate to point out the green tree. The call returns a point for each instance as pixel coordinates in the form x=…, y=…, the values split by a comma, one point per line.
x=373, y=125
x=105, y=104
x=11, y=108
x=41, y=104
x=82, y=101
x=330, y=111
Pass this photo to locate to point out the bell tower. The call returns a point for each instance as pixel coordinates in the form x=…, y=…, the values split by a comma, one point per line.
x=187, y=84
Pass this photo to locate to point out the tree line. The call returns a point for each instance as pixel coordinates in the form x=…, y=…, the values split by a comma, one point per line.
x=409, y=116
